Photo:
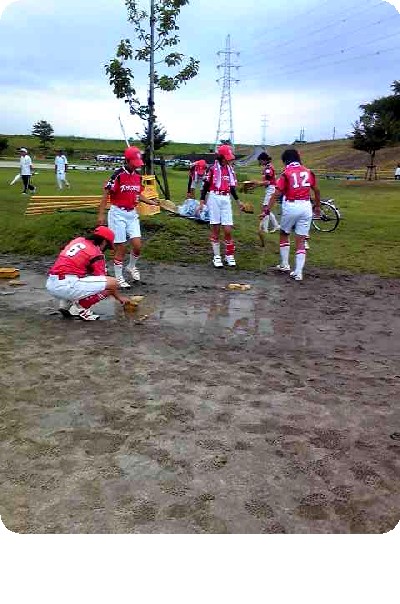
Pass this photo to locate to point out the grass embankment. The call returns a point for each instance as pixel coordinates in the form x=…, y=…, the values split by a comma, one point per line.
x=367, y=239
x=78, y=148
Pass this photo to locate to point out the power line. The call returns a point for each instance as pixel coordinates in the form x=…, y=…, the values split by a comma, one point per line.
x=375, y=53
x=341, y=51
x=310, y=34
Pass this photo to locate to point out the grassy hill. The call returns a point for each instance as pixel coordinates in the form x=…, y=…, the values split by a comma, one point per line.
x=321, y=156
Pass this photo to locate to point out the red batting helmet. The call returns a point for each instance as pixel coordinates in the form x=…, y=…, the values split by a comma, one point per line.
x=226, y=152
x=106, y=233
x=134, y=155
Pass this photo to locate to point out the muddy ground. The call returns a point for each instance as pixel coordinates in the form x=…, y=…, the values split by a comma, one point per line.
x=208, y=411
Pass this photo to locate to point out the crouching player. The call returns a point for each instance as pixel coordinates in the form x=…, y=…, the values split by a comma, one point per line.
x=295, y=183
x=78, y=276
x=124, y=189
x=220, y=183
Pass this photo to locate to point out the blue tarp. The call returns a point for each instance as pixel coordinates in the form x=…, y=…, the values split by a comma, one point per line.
x=190, y=209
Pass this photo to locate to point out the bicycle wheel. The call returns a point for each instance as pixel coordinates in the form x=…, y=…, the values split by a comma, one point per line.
x=329, y=220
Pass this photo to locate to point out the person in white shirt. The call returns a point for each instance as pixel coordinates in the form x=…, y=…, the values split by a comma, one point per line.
x=26, y=169
x=397, y=172
x=60, y=168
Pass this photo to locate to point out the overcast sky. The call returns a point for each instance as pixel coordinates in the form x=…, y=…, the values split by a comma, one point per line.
x=303, y=64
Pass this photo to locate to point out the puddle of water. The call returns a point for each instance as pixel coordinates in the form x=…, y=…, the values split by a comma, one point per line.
x=237, y=313
x=225, y=311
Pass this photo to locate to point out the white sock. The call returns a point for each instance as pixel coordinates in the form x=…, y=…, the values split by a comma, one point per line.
x=273, y=220
x=300, y=260
x=118, y=270
x=284, y=251
x=216, y=247
x=132, y=260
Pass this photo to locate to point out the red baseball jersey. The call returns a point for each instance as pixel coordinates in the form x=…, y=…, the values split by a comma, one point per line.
x=224, y=186
x=296, y=182
x=269, y=174
x=81, y=257
x=125, y=188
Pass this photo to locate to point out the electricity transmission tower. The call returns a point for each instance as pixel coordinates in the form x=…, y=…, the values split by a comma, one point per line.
x=225, y=122
x=264, y=122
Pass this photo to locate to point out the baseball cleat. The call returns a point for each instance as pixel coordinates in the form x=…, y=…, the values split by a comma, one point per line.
x=64, y=307
x=230, y=260
x=82, y=313
x=217, y=262
x=122, y=283
x=296, y=276
x=134, y=272
x=284, y=268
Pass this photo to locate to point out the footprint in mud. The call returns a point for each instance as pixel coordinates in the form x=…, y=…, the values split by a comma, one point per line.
x=272, y=528
x=259, y=508
x=241, y=445
x=137, y=513
x=190, y=507
x=94, y=442
x=197, y=511
x=224, y=417
x=327, y=439
x=174, y=488
x=366, y=474
x=173, y=411
x=213, y=445
x=314, y=507
x=214, y=463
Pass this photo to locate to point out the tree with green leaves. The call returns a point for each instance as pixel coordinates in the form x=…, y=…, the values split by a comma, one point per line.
x=160, y=135
x=44, y=132
x=3, y=144
x=155, y=35
x=369, y=135
x=386, y=111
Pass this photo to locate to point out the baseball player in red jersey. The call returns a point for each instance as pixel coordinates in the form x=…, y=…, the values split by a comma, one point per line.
x=295, y=183
x=220, y=183
x=78, y=276
x=197, y=172
x=268, y=181
x=125, y=191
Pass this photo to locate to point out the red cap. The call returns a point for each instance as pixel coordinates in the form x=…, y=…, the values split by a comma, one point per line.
x=106, y=233
x=134, y=156
x=226, y=152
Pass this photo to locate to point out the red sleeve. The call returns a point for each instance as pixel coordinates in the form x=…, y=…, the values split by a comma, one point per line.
x=281, y=182
x=98, y=267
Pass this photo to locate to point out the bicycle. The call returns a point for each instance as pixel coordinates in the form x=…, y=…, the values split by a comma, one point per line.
x=329, y=219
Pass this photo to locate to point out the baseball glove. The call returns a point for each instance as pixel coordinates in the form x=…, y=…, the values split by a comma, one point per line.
x=248, y=208
x=247, y=186
x=168, y=205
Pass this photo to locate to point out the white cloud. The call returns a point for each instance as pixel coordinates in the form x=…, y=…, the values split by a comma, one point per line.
x=4, y=4
x=395, y=3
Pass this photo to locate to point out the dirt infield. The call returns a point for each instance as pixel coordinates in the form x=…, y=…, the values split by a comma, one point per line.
x=273, y=410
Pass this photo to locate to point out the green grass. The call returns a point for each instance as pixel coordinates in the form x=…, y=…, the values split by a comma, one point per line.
x=367, y=239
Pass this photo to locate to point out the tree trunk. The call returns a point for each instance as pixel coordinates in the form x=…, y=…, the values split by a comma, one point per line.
x=151, y=90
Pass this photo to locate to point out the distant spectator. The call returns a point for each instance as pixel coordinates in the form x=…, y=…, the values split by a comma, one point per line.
x=397, y=172
x=60, y=168
x=26, y=170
